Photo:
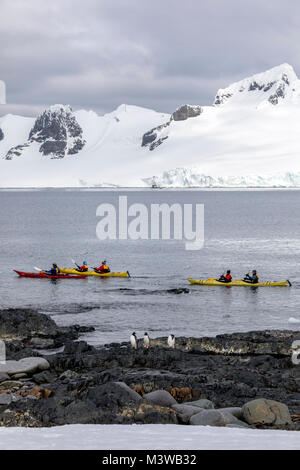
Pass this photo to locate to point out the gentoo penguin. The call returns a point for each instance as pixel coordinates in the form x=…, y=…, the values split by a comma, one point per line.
x=146, y=341
x=171, y=341
x=133, y=340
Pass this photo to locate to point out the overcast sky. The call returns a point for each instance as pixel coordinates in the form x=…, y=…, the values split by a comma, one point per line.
x=154, y=53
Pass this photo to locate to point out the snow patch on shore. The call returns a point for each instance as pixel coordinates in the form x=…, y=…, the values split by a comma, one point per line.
x=143, y=437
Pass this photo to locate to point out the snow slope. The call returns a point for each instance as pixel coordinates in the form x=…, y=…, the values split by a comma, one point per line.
x=248, y=138
x=112, y=152
x=144, y=437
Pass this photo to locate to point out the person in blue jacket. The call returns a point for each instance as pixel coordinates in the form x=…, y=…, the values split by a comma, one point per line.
x=254, y=279
x=53, y=271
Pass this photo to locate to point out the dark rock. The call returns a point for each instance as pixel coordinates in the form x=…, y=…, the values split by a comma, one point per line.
x=220, y=99
x=112, y=396
x=1, y=134
x=43, y=377
x=279, y=93
x=58, y=132
x=185, y=112
x=150, y=139
x=25, y=323
x=54, y=147
x=55, y=128
x=83, y=382
x=24, y=328
x=15, y=151
x=156, y=136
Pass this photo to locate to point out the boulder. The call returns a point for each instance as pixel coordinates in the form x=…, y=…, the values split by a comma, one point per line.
x=27, y=365
x=215, y=418
x=5, y=399
x=234, y=410
x=131, y=393
x=185, y=412
x=3, y=376
x=266, y=412
x=203, y=403
x=160, y=398
x=112, y=396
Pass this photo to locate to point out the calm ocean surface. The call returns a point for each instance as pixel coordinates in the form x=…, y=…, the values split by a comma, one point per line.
x=243, y=230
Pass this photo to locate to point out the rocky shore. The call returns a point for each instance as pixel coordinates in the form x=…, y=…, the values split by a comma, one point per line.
x=52, y=378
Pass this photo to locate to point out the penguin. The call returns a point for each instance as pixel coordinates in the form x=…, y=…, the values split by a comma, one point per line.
x=146, y=341
x=133, y=340
x=171, y=341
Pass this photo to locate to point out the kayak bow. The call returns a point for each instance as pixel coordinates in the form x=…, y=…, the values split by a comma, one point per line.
x=46, y=276
x=238, y=282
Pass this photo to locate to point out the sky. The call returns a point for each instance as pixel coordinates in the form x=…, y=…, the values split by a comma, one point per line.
x=98, y=54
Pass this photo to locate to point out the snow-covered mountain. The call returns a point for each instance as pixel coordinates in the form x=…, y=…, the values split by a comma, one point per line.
x=248, y=137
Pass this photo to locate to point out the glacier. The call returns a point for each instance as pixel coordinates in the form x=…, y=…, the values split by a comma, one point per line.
x=248, y=138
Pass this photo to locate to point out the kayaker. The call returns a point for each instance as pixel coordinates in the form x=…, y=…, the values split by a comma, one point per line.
x=252, y=279
x=83, y=268
x=53, y=271
x=104, y=268
x=226, y=278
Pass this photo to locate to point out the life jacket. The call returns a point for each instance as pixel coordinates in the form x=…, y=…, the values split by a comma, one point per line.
x=84, y=267
x=228, y=277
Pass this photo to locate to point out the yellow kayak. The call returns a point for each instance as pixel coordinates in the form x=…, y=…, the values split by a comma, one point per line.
x=239, y=282
x=93, y=273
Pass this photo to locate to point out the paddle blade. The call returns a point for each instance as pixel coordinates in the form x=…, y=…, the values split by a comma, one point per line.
x=37, y=269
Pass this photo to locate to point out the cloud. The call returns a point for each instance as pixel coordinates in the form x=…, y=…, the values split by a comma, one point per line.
x=159, y=54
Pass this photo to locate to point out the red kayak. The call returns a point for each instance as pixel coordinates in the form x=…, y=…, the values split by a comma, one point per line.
x=47, y=276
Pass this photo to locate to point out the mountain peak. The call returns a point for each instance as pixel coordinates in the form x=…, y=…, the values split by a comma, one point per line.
x=272, y=85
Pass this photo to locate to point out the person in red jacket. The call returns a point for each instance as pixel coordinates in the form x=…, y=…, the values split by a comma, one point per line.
x=226, y=278
x=103, y=268
x=83, y=268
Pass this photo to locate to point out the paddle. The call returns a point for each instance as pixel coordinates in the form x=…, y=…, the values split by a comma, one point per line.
x=74, y=262
x=43, y=271
x=128, y=274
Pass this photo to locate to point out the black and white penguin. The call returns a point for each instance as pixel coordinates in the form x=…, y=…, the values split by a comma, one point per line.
x=133, y=340
x=171, y=341
x=146, y=341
